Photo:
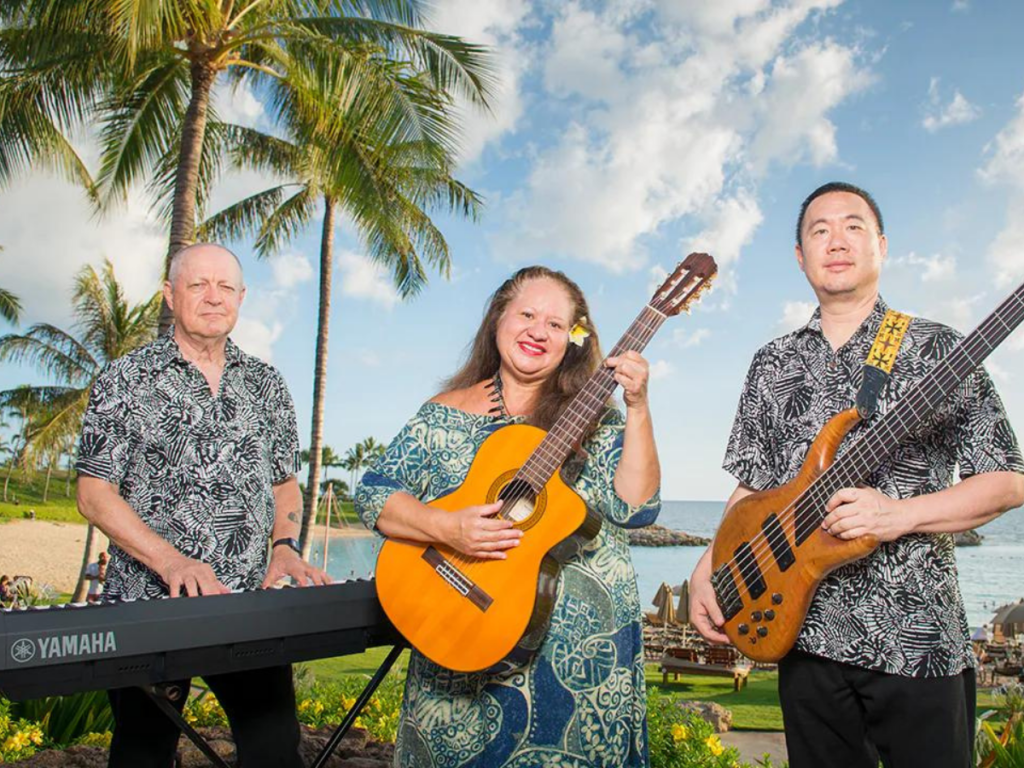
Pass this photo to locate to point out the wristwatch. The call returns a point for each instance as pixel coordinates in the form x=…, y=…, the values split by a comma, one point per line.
x=288, y=542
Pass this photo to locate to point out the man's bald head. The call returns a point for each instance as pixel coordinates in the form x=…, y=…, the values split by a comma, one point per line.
x=204, y=290
x=181, y=257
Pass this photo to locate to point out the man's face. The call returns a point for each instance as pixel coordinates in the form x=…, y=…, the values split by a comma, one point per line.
x=842, y=251
x=206, y=293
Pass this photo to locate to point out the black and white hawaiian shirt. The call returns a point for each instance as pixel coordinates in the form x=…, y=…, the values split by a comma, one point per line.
x=899, y=610
x=198, y=469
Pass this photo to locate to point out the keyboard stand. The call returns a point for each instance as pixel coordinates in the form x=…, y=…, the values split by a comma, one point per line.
x=162, y=695
x=353, y=713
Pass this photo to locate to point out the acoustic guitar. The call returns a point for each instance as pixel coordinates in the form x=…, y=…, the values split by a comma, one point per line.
x=468, y=614
x=770, y=552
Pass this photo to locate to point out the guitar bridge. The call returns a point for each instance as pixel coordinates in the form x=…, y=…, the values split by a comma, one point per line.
x=457, y=580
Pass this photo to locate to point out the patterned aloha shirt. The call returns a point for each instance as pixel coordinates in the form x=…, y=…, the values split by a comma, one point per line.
x=198, y=469
x=899, y=610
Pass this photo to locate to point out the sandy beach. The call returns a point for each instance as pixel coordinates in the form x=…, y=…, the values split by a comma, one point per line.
x=51, y=553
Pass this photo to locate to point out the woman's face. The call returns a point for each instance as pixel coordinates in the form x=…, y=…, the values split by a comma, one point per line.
x=533, y=331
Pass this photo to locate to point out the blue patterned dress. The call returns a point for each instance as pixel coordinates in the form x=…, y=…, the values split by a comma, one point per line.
x=580, y=702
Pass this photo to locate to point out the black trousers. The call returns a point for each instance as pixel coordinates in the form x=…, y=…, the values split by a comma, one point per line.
x=260, y=706
x=842, y=716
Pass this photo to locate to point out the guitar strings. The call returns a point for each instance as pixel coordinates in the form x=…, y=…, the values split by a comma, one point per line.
x=550, y=463
x=761, y=543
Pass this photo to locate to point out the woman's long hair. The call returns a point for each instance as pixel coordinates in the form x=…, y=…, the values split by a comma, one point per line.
x=572, y=373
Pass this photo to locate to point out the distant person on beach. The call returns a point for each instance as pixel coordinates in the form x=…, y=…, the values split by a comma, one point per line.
x=580, y=700
x=187, y=461
x=96, y=574
x=884, y=661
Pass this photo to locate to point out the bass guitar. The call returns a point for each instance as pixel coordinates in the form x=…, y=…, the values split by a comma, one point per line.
x=770, y=551
x=468, y=614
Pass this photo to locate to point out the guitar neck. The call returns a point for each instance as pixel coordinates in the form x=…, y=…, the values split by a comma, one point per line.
x=585, y=409
x=882, y=439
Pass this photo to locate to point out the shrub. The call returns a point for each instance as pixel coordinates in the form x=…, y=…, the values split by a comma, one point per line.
x=1003, y=748
x=19, y=738
x=64, y=719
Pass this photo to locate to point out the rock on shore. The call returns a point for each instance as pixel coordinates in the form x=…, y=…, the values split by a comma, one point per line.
x=968, y=539
x=658, y=536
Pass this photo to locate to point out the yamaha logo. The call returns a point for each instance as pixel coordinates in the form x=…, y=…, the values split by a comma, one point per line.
x=23, y=650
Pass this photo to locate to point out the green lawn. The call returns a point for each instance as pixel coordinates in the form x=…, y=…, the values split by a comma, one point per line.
x=755, y=708
x=29, y=493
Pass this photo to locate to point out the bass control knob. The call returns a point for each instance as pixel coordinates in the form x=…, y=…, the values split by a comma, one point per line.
x=777, y=598
x=743, y=629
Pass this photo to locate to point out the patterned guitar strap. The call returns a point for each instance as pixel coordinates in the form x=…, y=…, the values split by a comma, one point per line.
x=880, y=360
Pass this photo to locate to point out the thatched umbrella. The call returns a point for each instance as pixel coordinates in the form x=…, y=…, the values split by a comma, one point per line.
x=683, y=607
x=1010, y=619
x=666, y=614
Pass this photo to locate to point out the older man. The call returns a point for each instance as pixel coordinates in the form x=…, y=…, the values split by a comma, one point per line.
x=187, y=462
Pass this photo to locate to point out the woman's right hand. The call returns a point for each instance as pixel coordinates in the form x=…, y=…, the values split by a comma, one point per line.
x=474, y=531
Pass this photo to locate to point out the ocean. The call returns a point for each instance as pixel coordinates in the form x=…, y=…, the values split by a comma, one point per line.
x=990, y=575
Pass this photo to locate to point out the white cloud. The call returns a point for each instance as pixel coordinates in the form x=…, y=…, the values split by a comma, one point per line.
x=257, y=337
x=929, y=268
x=1005, y=165
x=998, y=372
x=802, y=89
x=236, y=103
x=50, y=232
x=730, y=227
x=497, y=24
x=686, y=339
x=661, y=369
x=363, y=279
x=290, y=269
x=664, y=121
x=795, y=314
x=958, y=111
x=961, y=6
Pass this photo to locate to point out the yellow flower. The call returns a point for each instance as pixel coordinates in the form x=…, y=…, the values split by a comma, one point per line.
x=679, y=733
x=579, y=332
x=714, y=745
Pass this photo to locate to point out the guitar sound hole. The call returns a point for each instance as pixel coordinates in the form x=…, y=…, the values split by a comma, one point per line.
x=520, y=501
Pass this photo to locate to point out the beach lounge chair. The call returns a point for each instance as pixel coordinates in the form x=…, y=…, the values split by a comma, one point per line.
x=718, y=662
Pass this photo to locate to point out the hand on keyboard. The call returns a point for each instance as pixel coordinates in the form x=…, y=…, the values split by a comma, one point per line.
x=285, y=562
x=183, y=574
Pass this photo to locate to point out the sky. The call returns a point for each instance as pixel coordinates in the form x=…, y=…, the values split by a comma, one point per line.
x=623, y=135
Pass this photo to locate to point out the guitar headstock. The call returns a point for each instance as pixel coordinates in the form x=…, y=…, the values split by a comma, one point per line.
x=684, y=287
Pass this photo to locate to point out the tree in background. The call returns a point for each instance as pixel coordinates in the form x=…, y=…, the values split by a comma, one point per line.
x=372, y=140
x=149, y=69
x=107, y=326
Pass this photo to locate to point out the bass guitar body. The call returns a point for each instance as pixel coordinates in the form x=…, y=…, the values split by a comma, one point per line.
x=765, y=572
x=468, y=614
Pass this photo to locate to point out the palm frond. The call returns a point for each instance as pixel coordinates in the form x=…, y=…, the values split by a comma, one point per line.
x=140, y=123
x=53, y=351
x=10, y=306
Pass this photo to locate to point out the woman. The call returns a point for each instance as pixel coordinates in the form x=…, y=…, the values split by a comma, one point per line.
x=581, y=700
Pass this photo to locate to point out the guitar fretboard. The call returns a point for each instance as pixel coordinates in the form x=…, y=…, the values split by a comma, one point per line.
x=586, y=407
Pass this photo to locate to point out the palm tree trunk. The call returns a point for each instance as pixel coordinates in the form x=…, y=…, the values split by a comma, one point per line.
x=320, y=376
x=88, y=556
x=183, y=206
x=10, y=468
x=67, y=479
x=46, y=485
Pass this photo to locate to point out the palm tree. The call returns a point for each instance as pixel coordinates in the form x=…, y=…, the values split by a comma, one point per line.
x=108, y=326
x=161, y=59
x=353, y=462
x=381, y=153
